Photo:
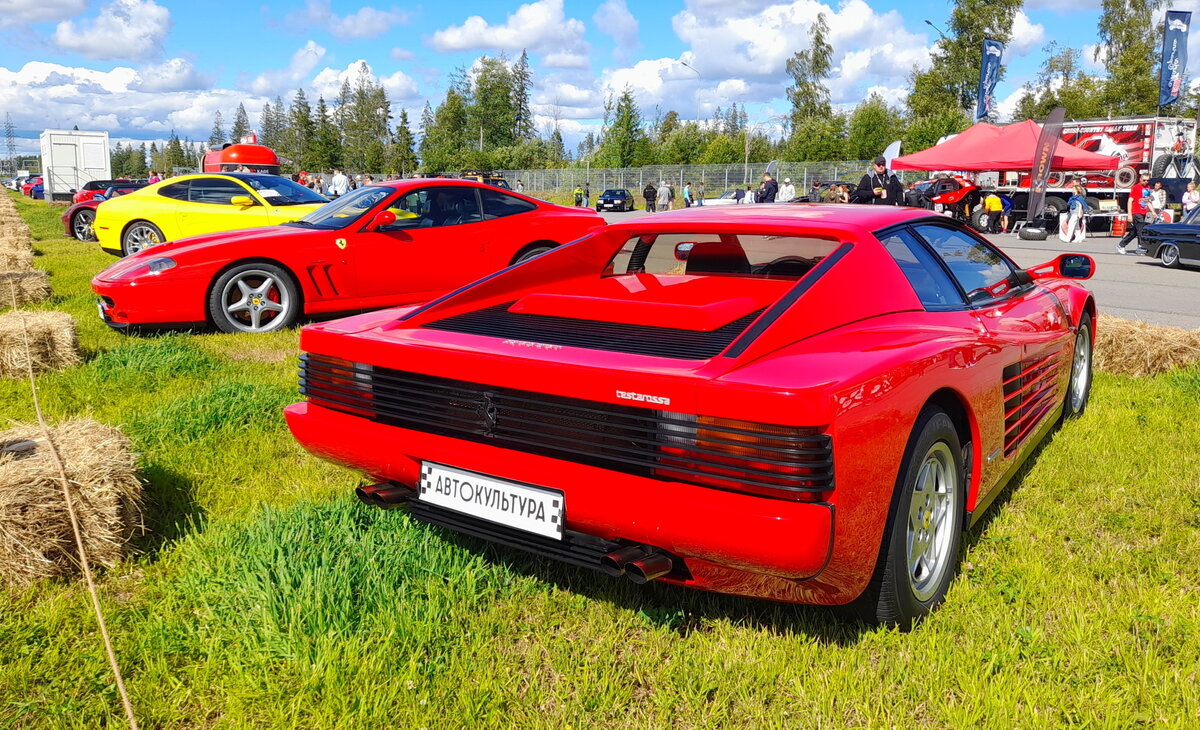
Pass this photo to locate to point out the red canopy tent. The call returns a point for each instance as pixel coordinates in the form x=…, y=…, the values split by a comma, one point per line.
x=1011, y=147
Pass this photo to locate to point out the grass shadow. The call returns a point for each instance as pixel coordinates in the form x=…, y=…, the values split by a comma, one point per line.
x=170, y=510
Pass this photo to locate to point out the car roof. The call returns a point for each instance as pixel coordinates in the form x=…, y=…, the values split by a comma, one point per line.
x=858, y=219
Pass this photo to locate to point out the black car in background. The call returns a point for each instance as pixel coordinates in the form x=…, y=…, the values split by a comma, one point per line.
x=1174, y=244
x=618, y=199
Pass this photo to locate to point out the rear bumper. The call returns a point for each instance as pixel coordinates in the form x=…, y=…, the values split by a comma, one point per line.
x=734, y=543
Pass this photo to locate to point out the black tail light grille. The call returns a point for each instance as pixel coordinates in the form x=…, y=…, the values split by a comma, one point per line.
x=497, y=321
x=776, y=461
x=1028, y=397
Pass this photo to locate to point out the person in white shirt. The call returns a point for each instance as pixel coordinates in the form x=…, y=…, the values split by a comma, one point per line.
x=749, y=199
x=340, y=185
x=1191, y=198
x=787, y=191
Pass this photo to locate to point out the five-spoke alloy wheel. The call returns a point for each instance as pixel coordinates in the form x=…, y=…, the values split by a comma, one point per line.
x=253, y=297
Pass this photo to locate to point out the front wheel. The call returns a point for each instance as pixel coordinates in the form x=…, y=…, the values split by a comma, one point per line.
x=1079, y=388
x=1168, y=253
x=253, y=297
x=920, y=551
x=140, y=235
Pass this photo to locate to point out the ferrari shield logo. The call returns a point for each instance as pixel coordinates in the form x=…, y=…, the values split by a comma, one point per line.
x=341, y=243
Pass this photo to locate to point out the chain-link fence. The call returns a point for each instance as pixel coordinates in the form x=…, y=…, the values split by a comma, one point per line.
x=715, y=178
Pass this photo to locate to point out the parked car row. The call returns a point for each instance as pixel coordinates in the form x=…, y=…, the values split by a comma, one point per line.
x=709, y=397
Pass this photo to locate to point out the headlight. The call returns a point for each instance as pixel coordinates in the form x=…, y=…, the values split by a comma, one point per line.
x=157, y=265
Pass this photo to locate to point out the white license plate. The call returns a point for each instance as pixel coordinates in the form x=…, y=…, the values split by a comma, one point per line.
x=527, y=508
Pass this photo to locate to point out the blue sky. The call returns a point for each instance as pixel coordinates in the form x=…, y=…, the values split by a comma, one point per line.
x=140, y=68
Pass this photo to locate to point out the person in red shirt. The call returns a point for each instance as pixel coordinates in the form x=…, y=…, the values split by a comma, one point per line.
x=1137, y=215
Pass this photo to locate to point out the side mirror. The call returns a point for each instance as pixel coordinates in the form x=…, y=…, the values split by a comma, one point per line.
x=244, y=201
x=1066, y=266
x=381, y=219
x=683, y=250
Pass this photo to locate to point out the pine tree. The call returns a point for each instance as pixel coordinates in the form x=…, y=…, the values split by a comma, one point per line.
x=216, y=138
x=491, y=112
x=625, y=143
x=443, y=143
x=367, y=121
x=556, y=150
x=809, y=69
x=522, y=83
x=325, y=152
x=300, y=132
x=174, y=156
x=403, y=154
x=266, y=129
x=241, y=124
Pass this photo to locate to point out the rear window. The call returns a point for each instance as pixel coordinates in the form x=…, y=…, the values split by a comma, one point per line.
x=712, y=254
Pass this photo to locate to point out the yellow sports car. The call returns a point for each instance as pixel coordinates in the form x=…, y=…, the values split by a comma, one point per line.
x=191, y=205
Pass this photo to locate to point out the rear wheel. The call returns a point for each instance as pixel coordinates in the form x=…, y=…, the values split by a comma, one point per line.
x=1168, y=253
x=139, y=236
x=921, y=544
x=253, y=297
x=82, y=225
x=1079, y=388
x=530, y=251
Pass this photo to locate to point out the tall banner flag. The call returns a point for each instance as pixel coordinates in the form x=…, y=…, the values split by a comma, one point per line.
x=1043, y=158
x=989, y=74
x=1173, y=64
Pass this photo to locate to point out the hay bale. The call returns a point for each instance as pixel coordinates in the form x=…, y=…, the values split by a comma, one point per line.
x=23, y=287
x=16, y=259
x=15, y=236
x=53, y=344
x=35, y=529
x=1129, y=347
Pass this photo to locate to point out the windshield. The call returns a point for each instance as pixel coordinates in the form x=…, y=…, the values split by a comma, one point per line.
x=613, y=194
x=278, y=190
x=721, y=254
x=346, y=209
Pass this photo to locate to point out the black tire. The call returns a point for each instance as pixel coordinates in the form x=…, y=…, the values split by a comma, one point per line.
x=979, y=219
x=243, y=295
x=83, y=225
x=533, y=249
x=1079, y=387
x=1162, y=163
x=1168, y=254
x=139, y=236
x=1054, y=206
x=926, y=518
x=1032, y=233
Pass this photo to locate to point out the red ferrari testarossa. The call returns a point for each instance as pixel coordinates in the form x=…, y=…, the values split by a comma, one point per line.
x=801, y=403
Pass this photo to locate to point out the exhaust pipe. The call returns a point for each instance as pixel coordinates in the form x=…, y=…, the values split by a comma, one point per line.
x=392, y=497
x=366, y=494
x=644, y=570
x=614, y=563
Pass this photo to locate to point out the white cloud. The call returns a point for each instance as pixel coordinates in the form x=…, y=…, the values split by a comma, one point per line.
x=614, y=20
x=18, y=12
x=278, y=81
x=366, y=22
x=541, y=27
x=402, y=54
x=400, y=87
x=174, y=74
x=566, y=101
x=1026, y=36
x=125, y=29
x=1095, y=57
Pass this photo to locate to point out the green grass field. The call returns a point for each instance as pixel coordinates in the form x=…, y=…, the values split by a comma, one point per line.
x=264, y=595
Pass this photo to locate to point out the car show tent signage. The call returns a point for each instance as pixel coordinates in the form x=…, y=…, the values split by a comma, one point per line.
x=1009, y=147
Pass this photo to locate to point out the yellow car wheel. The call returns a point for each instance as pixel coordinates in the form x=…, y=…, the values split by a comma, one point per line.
x=140, y=235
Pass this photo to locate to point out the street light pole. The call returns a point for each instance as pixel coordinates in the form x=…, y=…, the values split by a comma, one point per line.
x=937, y=30
x=693, y=70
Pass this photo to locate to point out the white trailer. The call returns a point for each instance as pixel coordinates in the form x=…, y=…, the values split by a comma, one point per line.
x=71, y=158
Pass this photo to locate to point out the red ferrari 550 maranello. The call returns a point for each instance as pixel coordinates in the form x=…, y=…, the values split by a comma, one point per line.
x=382, y=245
x=799, y=403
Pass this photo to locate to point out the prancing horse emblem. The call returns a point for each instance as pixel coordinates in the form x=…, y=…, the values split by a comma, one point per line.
x=341, y=243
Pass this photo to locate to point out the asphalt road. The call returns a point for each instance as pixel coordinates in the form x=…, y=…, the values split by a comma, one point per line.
x=1133, y=287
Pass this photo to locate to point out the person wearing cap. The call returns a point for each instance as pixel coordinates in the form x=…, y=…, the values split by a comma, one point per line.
x=787, y=191
x=1137, y=214
x=879, y=186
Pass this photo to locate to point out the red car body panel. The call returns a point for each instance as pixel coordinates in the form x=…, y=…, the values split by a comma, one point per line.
x=86, y=200
x=856, y=357
x=338, y=270
x=29, y=185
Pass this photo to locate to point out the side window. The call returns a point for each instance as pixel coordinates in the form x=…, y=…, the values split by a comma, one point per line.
x=410, y=210
x=215, y=191
x=929, y=280
x=175, y=191
x=451, y=206
x=977, y=267
x=498, y=205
